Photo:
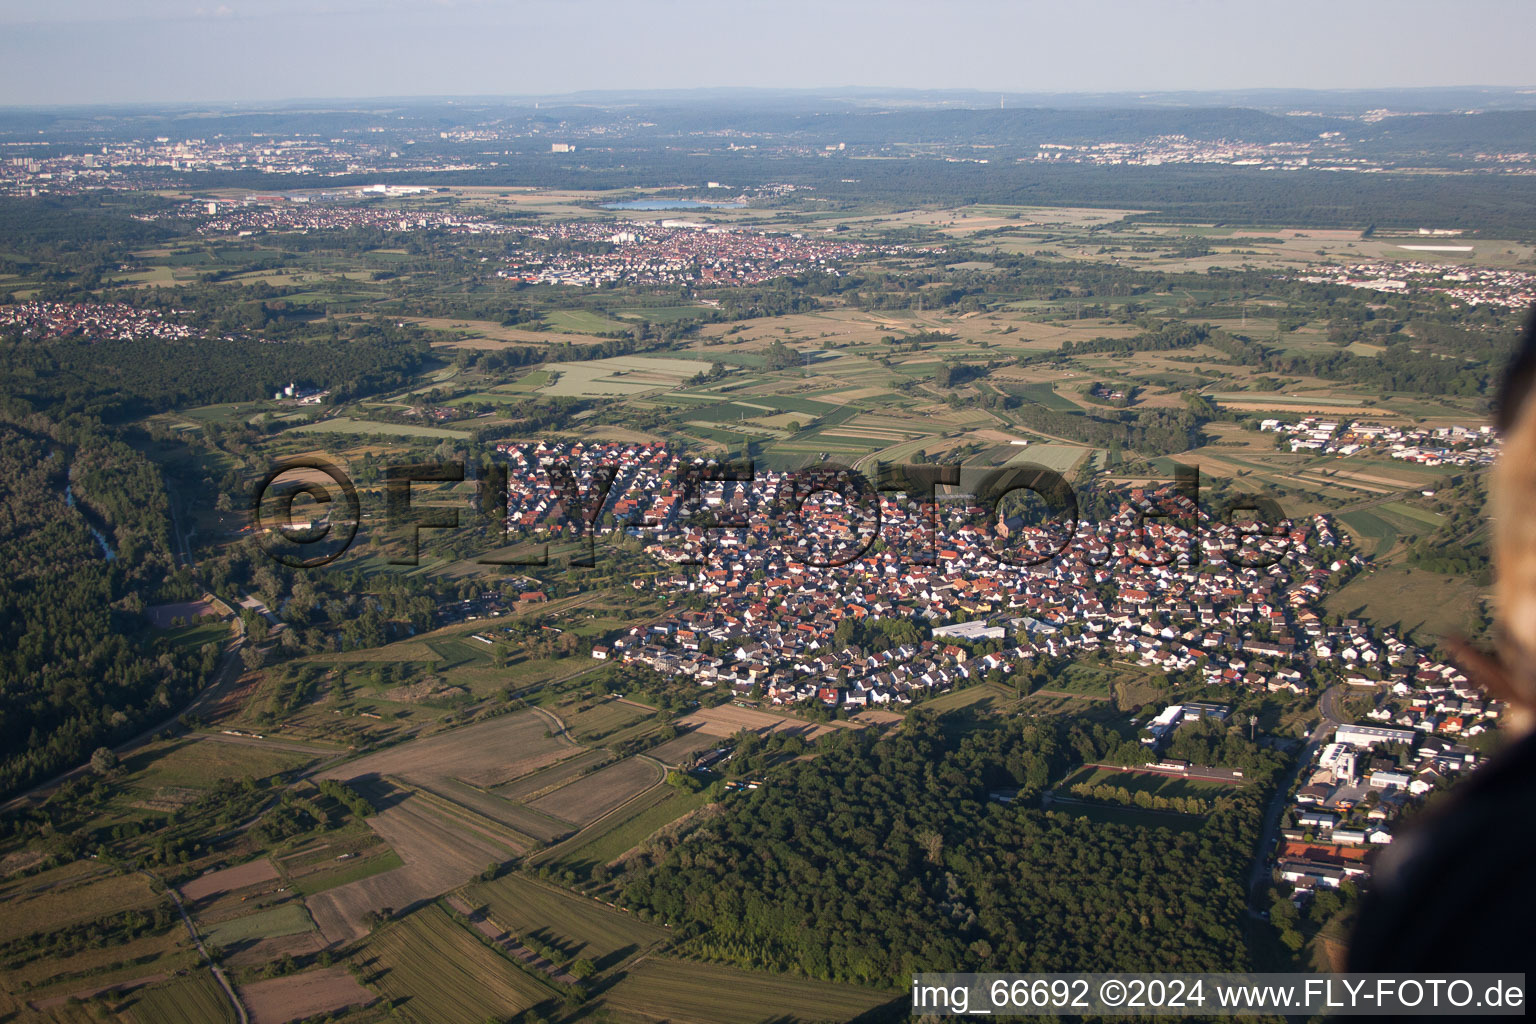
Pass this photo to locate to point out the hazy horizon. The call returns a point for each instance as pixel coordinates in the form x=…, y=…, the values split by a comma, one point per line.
x=93, y=52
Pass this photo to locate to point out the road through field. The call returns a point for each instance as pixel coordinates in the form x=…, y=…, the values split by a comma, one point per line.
x=218, y=973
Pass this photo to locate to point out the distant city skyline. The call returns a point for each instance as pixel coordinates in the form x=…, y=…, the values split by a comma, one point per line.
x=195, y=51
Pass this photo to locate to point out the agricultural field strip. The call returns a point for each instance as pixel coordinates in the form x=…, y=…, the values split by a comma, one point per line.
x=687, y=992
x=458, y=815
x=523, y=904
x=515, y=816
x=589, y=797
x=445, y=974
x=599, y=825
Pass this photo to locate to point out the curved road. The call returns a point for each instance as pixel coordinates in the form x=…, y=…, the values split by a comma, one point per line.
x=1328, y=705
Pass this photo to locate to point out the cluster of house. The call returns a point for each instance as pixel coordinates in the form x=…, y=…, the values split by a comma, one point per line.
x=97, y=321
x=1120, y=586
x=1324, y=152
x=769, y=627
x=305, y=212
x=1472, y=286
x=1109, y=392
x=1365, y=778
x=1430, y=446
x=676, y=252
x=152, y=161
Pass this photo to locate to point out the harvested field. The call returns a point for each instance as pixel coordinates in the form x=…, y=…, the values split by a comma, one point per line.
x=216, y=883
x=501, y=937
x=121, y=987
x=590, y=797
x=684, y=748
x=264, y=951
x=529, y=827
x=485, y=754
x=608, y=840
x=437, y=857
x=556, y=775
x=728, y=720
x=299, y=996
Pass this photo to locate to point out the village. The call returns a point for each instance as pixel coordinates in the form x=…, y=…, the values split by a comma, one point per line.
x=1468, y=285
x=1432, y=446
x=96, y=321
x=325, y=212
x=776, y=631
x=677, y=252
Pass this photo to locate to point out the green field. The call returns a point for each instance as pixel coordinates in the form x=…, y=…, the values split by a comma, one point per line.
x=436, y=972
x=193, y=637
x=602, y=720
x=1110, y=814
x=79, y=891
x=581, y=927
x=1079, y=678
x=1373, y=533
x=288, y=919
x=979, y=698
x=192, y=999
x=1425, y=605
x=661, y=314
x=1145, y=782
x=661, y=806
x=580, y=321
x=350, y=871
x=200, y=763
x=1044, y=393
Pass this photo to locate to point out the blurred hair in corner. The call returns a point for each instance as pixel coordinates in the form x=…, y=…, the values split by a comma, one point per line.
x=1456, y=891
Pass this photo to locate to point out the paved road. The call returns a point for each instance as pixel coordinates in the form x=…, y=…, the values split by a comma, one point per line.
x=1328, y=705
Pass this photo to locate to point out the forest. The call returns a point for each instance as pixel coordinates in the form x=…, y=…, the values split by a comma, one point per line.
x=886, y=856
x=134, y=378
x=76, y=663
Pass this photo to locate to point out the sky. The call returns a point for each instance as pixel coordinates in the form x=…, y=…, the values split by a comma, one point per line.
x=217, y=51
